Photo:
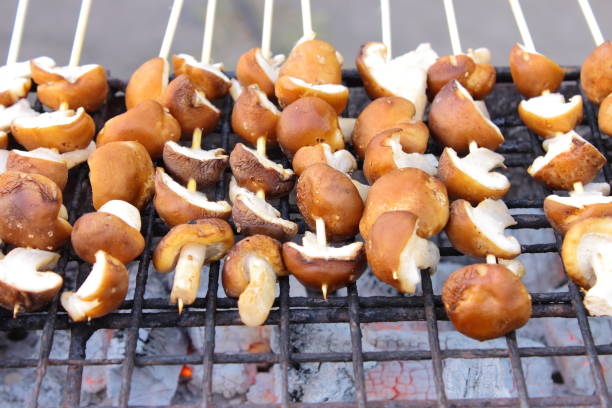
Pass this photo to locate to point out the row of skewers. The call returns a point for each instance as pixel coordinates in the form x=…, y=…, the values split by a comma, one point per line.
x=407, y=202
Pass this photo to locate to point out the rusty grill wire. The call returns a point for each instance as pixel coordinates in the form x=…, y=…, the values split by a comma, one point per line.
x=211, y=312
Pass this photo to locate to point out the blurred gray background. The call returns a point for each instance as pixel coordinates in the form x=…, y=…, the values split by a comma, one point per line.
x=124, y=33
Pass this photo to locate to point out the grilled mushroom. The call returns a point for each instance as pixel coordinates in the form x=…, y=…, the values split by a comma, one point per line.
x=596, y=73
x=102, y=292
x=204, y=166
x=148, y=123
x=290, y=89
x=253, y=68
x=549, y=114
x=341, y=160
x=534, y=73
x=114, y=229
x=249, y=274
x=396, y=253
x=209, y=78
x=15, y=80
x=485, y=301
x=148, y=82
x=254, y=116
x=20, y=109
x=604, y=116
x=27, y=282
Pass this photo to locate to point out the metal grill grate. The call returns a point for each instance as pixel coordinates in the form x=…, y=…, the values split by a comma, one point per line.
x=212, y=312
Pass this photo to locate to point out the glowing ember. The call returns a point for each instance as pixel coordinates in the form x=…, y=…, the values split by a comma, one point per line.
x=186, y=372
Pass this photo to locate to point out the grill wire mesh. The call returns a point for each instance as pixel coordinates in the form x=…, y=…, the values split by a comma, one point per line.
x=211, y=311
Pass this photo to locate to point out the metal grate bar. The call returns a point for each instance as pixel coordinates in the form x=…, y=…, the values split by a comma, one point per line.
x=517, y=370
x=357, y=353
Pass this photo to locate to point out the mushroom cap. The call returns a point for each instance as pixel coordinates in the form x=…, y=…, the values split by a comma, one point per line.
x=548, y=115
x=3, y=140
x=341, y=160
x=189, y=106
x=235, y=275
x=315, y=266
x=26, y=281
x=289, y=89
x=175, y=204
x=324, y=192
x=256, y=172
x=393, y=247
x=485, y=301
x=254, y=116
x=604, y=117
x=569, y=159
x=479, y=231
x=455, y=120
x=534, y=73
x=470, y=177
x=253, y=215
x=563, y=212
x=13, y=90
x=30, y=207
x=254, y=69
x=382, y=114
x=215, y=233
x=65, y=130
x=83, y=86
x=596, y=73
x=209, y=78
x=205, y=166
x=132, y=170
x=39, y=161
x=308, y=121
x=478, y=79
x=385, y=154
x=315, y=62
x=149, y=81
x=148, y=123
x=108, y=232
x=103, y=291
x=580, y=243
x=411, y=190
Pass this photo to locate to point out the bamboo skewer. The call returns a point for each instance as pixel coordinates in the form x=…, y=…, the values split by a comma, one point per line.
x=585, y=6
x=385, y=17
x=521, y=23
x=306, y=18
x=451, y=21
x=266, y=32
x=209, y=28
x=13, y=53
x=173, y=19
x=79, y=36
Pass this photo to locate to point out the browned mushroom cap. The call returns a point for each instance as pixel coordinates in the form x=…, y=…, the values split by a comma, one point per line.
x=26, y=280
x=315, y=62
x=189, y=106
x=569, y=159
x=404, y=76
x=132, y=173
x=341, y=160
x=255, y=69
x=30, y=211
x=549, y=114
x=604, y=117
x=596, y=73
x=176, y=204
x=213, y=233
x=254, y=116
x=485, y=301
x=13, y=89
x=289, y=89
x=562, y=212
x=3, y=140
x=407, y=190
x=148, y=82
x=83, y=86
x=385, y=154
x=534, y=73
x=479, y=231
x=204, y=166
x=318, y=267
x=396, y=253
x=64, y=130
x=308, y=121
x=102, y=292
x=148, y=123
x=250, y=272
x=39, y=161
x=324, y=192
x=583, y=241
x=209, y=78
x=478, y=79
x=256, y=172
x=455, y=120
x=114, y=229
x=471, y=177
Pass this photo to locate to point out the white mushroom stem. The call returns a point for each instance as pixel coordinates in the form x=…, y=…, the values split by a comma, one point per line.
x=209, y=28
x=79, y=36
x=451, y=21
x=22, y=8
x=578, y=187
x=346, y=127
x=175, y=13
x=591, y=21
x=187, y=275
x=266, y=33
x=63, y=106
x=196, y=144
x=385, y=16
x=123, y=210
x=521, y=23
x=255, y=302
x=598, y=299
x=306, y=18
x=491, y=259
x=63, y=212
